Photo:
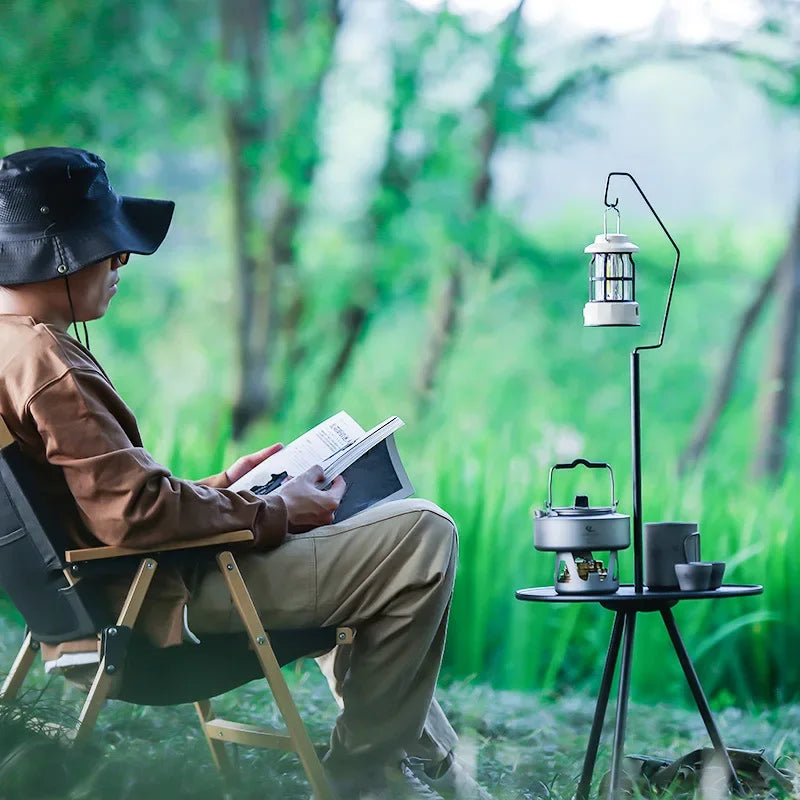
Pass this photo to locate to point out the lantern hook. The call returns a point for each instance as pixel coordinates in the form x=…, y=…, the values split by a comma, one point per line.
x=615, y=204
x=672, y=242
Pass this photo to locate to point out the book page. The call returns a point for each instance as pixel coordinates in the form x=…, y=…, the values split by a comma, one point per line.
x=375, y=478
x=313, y=447
x=338, y=462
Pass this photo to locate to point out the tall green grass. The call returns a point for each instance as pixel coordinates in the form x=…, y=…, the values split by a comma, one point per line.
x=524, y=386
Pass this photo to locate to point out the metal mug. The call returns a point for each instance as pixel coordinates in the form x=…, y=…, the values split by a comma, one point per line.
x=665, y=545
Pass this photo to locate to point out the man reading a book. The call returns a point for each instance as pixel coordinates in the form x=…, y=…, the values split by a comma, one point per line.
x=65, y=236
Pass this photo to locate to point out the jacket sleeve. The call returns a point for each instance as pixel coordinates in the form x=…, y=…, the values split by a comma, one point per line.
x=123, y=495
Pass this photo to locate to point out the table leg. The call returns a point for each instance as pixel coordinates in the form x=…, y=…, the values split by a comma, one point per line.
x=584, y=787
x=623, y=693
x=699, y=697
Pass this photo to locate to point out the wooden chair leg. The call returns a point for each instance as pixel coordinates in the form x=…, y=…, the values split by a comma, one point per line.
x=218, y=754
x=101, y=685
x=301, y=743
x=19, y=670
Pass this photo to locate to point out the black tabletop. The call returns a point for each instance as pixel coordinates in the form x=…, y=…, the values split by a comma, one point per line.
x=626, y=598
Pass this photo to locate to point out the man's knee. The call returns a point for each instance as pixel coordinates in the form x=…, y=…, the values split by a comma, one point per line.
x=439, y=537
x=414, y=530
x=413, y=513
x=439, y=524
x=412, y=505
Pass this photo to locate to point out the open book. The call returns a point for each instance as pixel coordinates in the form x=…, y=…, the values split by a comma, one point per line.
x=367, y=460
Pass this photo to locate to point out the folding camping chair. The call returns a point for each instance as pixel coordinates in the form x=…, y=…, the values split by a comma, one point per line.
x=58, y=593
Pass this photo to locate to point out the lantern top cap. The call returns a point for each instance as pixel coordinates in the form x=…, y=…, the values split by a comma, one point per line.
x=611, y=243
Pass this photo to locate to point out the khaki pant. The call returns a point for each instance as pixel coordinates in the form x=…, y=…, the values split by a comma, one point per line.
x=388, y=572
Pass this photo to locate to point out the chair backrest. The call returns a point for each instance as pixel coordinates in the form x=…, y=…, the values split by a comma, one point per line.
x=32, y=543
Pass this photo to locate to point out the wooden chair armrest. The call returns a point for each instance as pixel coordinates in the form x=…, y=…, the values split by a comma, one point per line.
x=95, y=553
x=5, y=435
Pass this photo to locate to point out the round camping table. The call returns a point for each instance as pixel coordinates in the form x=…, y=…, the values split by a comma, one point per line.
x=626, y=603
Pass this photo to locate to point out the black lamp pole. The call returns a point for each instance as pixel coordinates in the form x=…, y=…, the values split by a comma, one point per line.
x=636, y=420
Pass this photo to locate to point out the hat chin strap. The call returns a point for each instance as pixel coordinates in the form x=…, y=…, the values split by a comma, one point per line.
x=74, y=321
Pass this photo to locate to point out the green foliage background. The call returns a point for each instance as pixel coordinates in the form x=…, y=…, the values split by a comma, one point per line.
x=523, y=384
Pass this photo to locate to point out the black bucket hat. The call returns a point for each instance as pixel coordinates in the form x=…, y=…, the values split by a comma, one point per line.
x=58, y=214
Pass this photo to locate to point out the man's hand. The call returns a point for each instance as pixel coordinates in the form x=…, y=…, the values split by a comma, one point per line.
x=243, y=465
x=307, y=504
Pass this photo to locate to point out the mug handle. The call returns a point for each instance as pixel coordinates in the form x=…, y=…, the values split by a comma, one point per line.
x=685, y=552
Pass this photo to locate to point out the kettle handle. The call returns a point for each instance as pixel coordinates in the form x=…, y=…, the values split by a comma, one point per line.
x=585, y=463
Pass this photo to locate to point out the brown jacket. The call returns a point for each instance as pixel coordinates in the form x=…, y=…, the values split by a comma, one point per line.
x=61, y=407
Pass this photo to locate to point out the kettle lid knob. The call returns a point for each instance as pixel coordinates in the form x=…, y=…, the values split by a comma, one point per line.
x=581, y=501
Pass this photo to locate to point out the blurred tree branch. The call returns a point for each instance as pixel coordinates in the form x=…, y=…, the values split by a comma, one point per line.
x=718, y=398
x=148, y=94
x=507, y=77
x=771, y=63
x=390, y=199
x=510, y=104
x=778, y=387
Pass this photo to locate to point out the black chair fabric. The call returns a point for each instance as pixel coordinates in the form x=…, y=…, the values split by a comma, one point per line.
x=159, y=676
x=32, y=543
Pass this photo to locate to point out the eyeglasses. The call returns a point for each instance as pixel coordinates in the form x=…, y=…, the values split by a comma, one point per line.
x=121, y=258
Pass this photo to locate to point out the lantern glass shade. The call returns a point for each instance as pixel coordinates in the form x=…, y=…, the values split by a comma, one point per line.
x=612, y=282
x=612, y=277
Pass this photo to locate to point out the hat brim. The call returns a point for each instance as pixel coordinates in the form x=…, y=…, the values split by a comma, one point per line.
x=136, y=225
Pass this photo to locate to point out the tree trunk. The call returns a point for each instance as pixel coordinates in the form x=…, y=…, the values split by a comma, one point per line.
x=491, y=104
x=444, y=323
x=243, y=29
x=354, y=322
x=707, y=420
x=299, y=156
x=390, y=200
x=770, y=453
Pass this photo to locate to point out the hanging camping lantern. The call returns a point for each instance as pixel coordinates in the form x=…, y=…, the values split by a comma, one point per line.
x=612, y=280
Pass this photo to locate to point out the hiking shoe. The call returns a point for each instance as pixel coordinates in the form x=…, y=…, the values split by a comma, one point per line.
x=455, y=783
x=380, y=783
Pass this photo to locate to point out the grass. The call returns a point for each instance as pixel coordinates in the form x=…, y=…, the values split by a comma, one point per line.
x=524, y=386
x=520, y=745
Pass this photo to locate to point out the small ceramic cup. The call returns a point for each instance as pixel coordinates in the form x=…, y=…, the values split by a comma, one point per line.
x=717, y=571
x=694, y=576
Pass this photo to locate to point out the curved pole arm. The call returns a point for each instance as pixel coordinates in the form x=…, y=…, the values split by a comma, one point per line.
x=672, y=242
x=636, y=423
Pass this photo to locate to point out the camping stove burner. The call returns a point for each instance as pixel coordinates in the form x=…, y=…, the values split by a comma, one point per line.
x=586, y=565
